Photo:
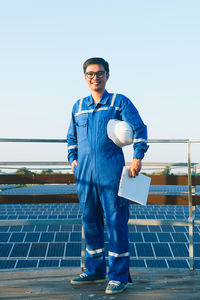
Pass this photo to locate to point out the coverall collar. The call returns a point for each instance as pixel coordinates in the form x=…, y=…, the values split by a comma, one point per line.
x=103, y=99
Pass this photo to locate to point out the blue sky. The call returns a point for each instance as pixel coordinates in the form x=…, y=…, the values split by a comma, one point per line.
x=152, y=47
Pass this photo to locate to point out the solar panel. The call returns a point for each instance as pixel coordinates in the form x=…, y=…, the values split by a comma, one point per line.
x=144, y=250
x=167, y=228
x=47, y=237
x=179, y=250
x=17, y=237
x=150, y=237
x=139, y=263
x=132, y=250
x=162, y=250
x=4, y=236
x=135, y=237
x=196, y=237
x=141, y=228
x=70, y=263
x=164, y=237
x=38, y=250
x=150, y=246
x=56, y=250
x=179, y=237
x=27, y=228
x=44, y=263
x=7, y=264
x=20, y=250
x=156, y=263
x=41, y=228
x=62, y=236
x=75, y=237
x=177, y=263
x=5, y=249
x=32, y=237
x=54, y=228
x=26, y=264
x=73, y=249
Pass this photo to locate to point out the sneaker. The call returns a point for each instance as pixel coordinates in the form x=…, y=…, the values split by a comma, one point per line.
x=115, y=287
x=85, y=278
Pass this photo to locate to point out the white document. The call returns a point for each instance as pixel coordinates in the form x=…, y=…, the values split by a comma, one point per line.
x=135, y=189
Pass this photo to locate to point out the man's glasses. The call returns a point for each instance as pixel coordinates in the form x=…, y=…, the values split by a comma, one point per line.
x=98, y=74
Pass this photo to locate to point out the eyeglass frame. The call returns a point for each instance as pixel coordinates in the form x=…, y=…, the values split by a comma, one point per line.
x=95, y=73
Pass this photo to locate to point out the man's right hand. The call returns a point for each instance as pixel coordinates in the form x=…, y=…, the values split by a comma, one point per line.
x=74, y=163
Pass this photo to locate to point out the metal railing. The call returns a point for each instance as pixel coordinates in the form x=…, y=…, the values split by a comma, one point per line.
x=191, y=222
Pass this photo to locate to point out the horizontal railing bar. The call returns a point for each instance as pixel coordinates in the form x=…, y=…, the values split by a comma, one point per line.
x=24, y=222
x=34, y=163
x=14, y=140
x=40, y=169
x=158, y=222
x=169, y=141
x=149, y=222
x=7, y=140
x=61, y=163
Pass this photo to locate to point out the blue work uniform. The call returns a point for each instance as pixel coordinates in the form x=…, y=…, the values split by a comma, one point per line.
x=97, y=177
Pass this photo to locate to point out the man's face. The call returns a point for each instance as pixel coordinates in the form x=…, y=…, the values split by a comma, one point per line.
x=97, y=83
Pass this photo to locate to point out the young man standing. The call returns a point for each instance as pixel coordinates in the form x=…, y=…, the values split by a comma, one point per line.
x=97, y=165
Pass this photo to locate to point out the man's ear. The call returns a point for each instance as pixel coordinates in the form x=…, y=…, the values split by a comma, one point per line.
x=107, y=76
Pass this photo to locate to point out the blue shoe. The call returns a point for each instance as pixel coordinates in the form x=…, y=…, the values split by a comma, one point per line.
x=115, y=287
x=85, y=278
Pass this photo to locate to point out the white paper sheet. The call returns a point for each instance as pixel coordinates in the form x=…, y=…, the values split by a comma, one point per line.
x=135, y=189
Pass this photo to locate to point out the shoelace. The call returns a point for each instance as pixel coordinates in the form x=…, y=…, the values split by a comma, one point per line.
x=83, y=275
x=114, y=282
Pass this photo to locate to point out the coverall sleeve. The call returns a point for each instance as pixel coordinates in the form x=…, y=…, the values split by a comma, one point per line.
x=130, y=114
x=72, y=141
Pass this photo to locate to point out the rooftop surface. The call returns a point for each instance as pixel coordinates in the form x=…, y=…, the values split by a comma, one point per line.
x=54, y=284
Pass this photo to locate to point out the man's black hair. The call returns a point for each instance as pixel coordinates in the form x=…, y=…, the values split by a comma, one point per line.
x=94, y=61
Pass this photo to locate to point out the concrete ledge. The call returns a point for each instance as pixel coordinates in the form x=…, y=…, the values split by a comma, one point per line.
x=55, y=284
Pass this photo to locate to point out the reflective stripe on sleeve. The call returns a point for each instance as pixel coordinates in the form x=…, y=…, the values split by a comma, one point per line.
x=139, y=141
x=95, y=251
x=118, y=255
x=72, y=147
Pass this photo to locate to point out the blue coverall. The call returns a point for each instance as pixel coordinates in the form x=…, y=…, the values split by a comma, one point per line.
x=97, y=177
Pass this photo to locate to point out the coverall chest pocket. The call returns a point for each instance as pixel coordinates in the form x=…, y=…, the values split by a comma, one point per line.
x=103, y=125
x=82, y=129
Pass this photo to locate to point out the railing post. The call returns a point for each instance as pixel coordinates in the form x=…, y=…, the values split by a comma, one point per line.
x=191, y=212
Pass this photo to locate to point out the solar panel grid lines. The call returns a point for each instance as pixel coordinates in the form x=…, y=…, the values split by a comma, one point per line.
x=164, y=237
x=162, y=250
x=60, y=189
x=156, y=263
x=144, y=235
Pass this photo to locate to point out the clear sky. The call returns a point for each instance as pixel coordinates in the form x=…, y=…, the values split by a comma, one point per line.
x=152, y=46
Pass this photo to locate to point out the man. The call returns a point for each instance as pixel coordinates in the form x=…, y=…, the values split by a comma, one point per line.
x=97, y=165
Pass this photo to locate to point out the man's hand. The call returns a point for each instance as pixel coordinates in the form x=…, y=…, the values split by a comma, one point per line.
x=135, y=167
x=74, y=163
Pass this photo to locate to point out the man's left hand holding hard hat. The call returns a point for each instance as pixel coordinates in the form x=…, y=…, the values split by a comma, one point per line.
x=97, y=161
x=121, y=133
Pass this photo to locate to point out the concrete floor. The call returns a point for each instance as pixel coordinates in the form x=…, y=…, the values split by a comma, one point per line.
x=53, y=284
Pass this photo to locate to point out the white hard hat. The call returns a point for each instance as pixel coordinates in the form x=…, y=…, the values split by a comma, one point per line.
x=120, y=132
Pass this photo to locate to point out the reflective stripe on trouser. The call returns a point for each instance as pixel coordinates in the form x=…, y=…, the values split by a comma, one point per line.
x=97, y=201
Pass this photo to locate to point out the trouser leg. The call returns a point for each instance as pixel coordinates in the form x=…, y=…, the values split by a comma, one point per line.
x=117, y=215
x=93, y=224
